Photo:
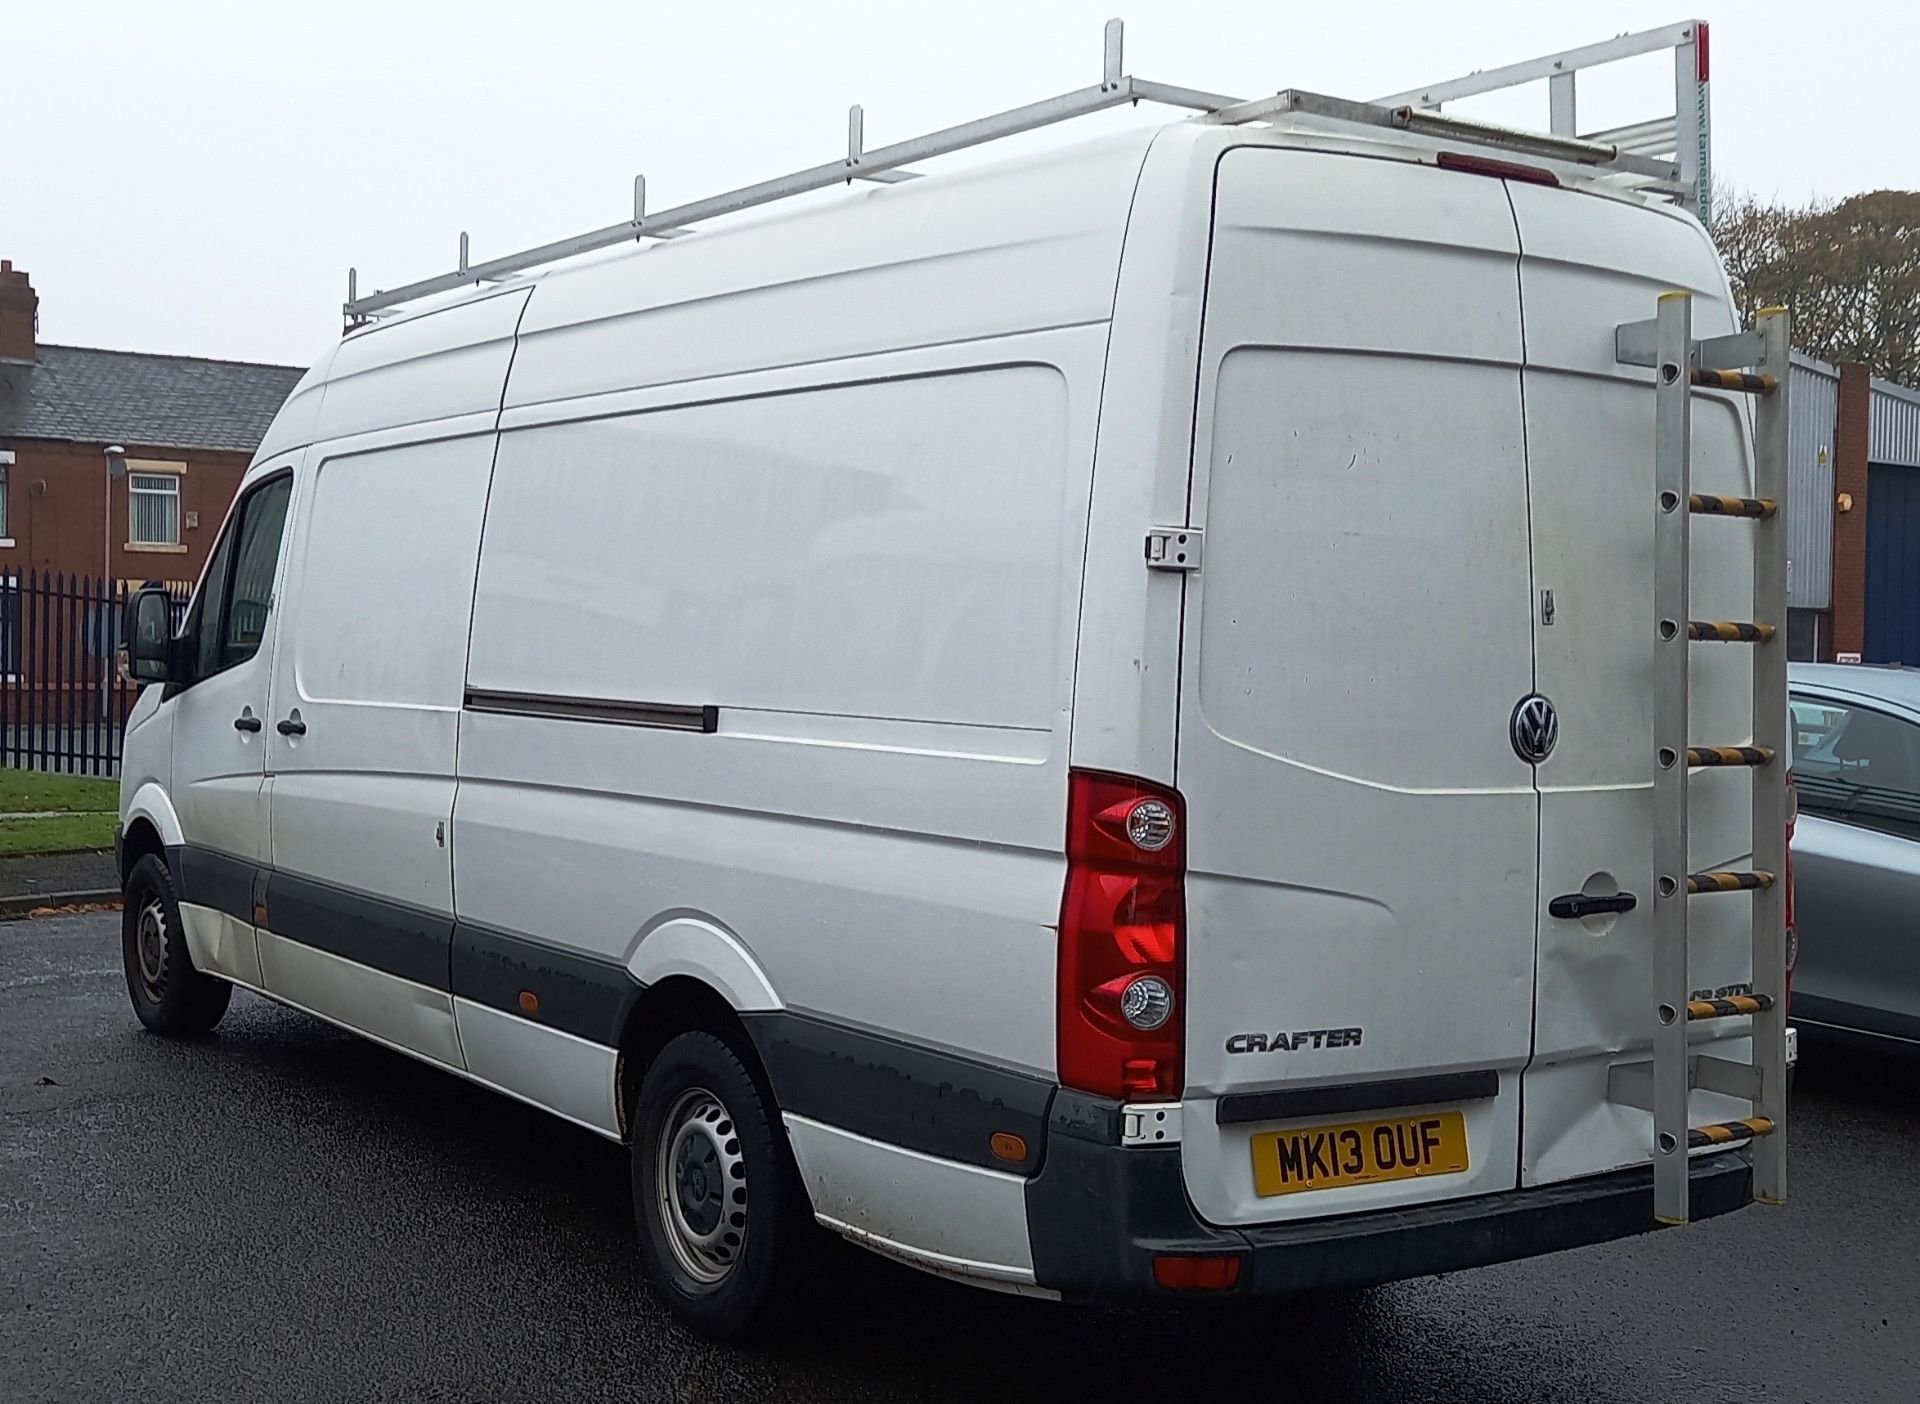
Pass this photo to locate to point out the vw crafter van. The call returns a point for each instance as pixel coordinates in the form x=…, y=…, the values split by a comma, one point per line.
x=1090, y=724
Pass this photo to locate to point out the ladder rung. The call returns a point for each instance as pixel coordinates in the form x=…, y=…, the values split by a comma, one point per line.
x=1744, y=381
x=1712, y=505
x=1722, y=881
x=1727, y=1133
x=1728, y=631
x=1729, y=755
x=1729, y=1006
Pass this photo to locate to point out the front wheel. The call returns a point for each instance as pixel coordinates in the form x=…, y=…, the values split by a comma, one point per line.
x=169, y=995
x=722, y=1217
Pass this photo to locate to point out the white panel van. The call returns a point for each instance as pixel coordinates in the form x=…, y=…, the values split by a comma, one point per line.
x=979, y=714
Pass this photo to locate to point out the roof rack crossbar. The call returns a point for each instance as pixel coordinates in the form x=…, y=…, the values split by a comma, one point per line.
x=1686, y=136
x=889, y=164
x=1580, y=150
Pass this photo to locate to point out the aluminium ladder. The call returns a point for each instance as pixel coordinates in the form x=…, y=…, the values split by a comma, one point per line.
x=1754, y=363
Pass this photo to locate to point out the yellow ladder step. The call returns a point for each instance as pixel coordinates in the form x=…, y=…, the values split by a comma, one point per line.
x=1729, y=755
x=1728, y=1006
x=1729, y=1133
x=1744, y=381
x=1728, y=631
x=1708, y=504
x=1722, y=881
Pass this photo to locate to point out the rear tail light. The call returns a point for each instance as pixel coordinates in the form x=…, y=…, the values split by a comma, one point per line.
x=1119, y=1025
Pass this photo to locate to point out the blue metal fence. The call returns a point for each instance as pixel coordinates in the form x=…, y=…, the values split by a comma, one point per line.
x=63, y=697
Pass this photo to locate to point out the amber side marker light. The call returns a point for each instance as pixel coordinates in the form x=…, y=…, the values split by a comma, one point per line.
x=1197, y=1272
x=529, y=1001
x=1007, y=1146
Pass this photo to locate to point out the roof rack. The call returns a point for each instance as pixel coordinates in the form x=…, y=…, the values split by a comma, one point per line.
x=1630, y=151
x=1687, y=135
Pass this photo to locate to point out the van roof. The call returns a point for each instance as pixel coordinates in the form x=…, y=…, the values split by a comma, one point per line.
x=979, y=179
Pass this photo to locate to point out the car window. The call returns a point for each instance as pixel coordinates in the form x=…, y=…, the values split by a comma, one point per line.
x=203, y=619
x=257, y=553
x=1858, y=764
x=229, y=615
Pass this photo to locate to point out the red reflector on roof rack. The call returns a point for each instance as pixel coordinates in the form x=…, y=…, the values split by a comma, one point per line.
x=1500, y=170
x=1700, y=51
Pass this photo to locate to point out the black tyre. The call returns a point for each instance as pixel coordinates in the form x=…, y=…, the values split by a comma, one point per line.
x=169, y=995
x=724, y=1221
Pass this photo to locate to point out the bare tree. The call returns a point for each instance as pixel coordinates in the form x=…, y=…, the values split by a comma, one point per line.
x=1849, y=270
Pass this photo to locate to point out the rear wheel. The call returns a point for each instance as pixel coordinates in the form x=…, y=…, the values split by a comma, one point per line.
x=723, y=1219
x=169, y=995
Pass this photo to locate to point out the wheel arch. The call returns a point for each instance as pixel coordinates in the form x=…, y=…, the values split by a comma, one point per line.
x=149, y=825
x=679, y=1004
x=694, y=973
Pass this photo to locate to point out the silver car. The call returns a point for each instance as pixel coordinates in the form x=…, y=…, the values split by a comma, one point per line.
x=1856, y=850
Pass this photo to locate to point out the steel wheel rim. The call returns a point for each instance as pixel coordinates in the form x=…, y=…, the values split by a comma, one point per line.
x=700, y=1186
x=150, y=945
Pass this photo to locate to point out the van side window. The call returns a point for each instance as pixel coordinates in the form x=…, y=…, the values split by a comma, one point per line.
x=245, y=620
x=1857, y=765
x=202, y=622
x=229, y=618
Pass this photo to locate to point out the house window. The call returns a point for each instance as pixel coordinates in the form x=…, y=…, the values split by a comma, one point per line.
x=153, y=509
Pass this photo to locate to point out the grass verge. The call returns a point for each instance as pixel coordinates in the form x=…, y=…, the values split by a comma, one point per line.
x=30, y=791
x=59, y=833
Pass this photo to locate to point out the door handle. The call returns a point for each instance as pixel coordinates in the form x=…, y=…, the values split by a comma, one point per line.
x=292, y=726
x=1577, y=904
x=246, y=721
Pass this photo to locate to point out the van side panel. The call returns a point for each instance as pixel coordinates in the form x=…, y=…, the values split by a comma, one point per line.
x=413, y=370
x=868, y=574
x=1127, y=658
x=375, y=601
x=376, y=608
x=974, y=255
x=877, y=550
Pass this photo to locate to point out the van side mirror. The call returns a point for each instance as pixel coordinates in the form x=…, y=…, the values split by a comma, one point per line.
x=148, y=630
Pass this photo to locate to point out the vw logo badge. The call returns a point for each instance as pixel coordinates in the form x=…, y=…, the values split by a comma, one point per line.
x=1534, y=728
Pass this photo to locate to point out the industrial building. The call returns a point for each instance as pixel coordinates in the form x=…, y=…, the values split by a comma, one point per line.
x=1853, y=516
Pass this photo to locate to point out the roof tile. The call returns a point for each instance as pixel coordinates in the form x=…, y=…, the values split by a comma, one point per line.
x=86, y=395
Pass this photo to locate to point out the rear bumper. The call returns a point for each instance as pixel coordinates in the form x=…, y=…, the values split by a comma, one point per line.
x=1098, y=1214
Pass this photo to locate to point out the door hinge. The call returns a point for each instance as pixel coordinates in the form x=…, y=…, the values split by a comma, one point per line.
x=1174, y=548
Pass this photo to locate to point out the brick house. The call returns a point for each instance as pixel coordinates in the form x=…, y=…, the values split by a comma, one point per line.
x=186, y=429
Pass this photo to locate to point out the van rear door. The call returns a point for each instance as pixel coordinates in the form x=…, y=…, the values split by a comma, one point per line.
x=1362, y=835
x=1590, y=263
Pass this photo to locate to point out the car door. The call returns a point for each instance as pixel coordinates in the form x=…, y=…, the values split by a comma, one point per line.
x=1856, y=864
x=1361, y=837
x=368, y=682
x=219, y=733
x=1588, y=265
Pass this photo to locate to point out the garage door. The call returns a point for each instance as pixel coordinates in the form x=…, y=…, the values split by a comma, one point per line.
x=1893, y=564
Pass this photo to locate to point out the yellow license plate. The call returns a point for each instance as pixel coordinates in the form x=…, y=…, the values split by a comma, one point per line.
x=1359, y=1152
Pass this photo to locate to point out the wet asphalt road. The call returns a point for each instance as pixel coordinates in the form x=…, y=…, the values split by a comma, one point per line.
x=283, y=1212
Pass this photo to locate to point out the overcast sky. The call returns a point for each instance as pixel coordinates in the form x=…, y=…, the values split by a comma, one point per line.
x=196, y=177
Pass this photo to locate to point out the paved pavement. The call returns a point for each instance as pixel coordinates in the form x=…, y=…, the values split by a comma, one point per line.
x=57, y=872
x=285, y=1213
